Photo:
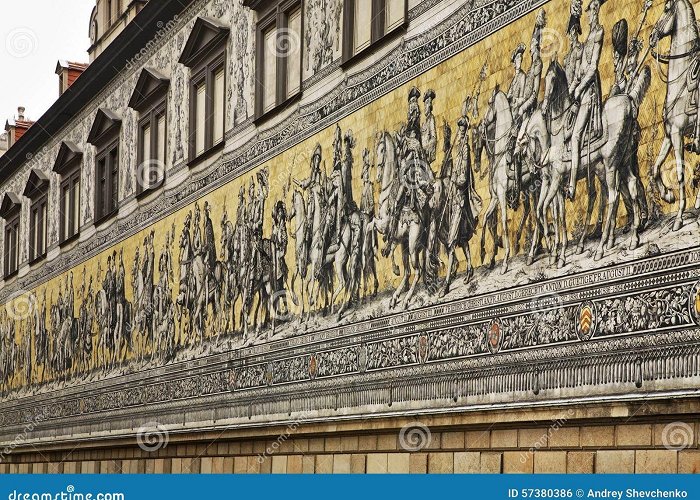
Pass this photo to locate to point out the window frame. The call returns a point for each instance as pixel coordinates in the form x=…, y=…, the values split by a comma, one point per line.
x=378, y=34
x=276, y=16
x=12, y=222
x=41, y=198
x=69, y=178
x=150, y=119
x=105, y=153
x=205, y=73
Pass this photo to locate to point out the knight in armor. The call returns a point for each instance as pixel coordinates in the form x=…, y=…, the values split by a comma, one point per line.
x=585, y=90
x=415, y=179
x=429, y=129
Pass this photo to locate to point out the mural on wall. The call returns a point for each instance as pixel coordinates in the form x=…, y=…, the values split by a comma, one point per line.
x=447, y=187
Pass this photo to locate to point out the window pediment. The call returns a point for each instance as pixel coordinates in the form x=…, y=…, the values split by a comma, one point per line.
x=150, y=86
x=11, y=203
x=37, y=184
x=68, y=155
x=106, y=125
x=207, y=35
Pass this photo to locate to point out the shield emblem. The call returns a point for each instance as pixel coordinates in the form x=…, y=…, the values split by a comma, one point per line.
x=423, y=348
x=587, y=321
x=313, y=366
x=694, y=303
x=494, y=336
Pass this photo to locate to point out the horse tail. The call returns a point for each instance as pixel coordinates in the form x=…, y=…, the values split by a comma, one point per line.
x=640, y=87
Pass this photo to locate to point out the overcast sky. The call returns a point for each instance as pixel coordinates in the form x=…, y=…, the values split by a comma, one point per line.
x=34, y=35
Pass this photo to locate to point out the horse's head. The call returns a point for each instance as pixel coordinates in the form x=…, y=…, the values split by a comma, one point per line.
x=678, y=20
x=555, y=89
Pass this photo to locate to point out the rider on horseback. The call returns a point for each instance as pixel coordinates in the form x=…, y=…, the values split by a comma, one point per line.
x=414, y=174
x=586, y=92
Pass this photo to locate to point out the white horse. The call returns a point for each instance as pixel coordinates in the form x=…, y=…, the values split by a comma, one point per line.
x=679, y=22
x=411, y=231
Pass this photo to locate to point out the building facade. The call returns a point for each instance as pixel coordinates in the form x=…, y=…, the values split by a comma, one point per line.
x=333, y=236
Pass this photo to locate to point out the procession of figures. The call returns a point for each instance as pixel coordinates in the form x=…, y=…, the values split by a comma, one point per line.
x=417, y=213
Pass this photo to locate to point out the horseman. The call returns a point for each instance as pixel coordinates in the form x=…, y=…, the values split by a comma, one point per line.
x=314, y=185
x=279, y=239
x=256, y=213
x=185, y=242
x=429, y=129
x=586, y=92
x=522, y=113
x=209, y=248
x=147, y=269
x=517, y=85
x=415, y=178
x=367, y=211
x=573, y=31
x=197, y=231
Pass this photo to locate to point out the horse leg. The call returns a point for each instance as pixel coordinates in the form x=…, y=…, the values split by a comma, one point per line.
x=448, y=277
x=561, y=262
x=665, y=193
x=540, y=223
x=677, y=141
x=612, y=183
x=632, y=184
x=414, y=254
x=490, y=210
x=504, y=226
x=404, y=281
x=592, y=195
x=470, y=268
x=521, y=226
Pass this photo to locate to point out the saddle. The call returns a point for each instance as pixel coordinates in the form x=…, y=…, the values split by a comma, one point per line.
x=691, y=82
x=593, y=135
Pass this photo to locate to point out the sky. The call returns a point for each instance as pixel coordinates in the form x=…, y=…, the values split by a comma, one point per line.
x=34, y=35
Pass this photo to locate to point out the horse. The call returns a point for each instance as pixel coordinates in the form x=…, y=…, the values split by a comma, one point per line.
x=41, y=342
x=499, y=120
x=679, y=23
x=606, y=156
x=411, y=229
x=192, y=297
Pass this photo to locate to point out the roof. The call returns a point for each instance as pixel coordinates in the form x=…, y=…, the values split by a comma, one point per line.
x=62, y=64
x=108, y=65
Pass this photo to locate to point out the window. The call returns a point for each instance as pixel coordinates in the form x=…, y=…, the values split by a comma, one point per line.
x=368, y=21
x=37, y=190
x=70, y=206
x=67, y=165
x=149, y=99
x=107, y=182
x=104, y=135
x=11, y=245
x=205, y=54
x=37, y=228
x=10, y=211
x=279, y=54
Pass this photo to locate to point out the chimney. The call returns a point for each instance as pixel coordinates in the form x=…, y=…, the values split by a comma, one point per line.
x=68, y=72
x=16, y=128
